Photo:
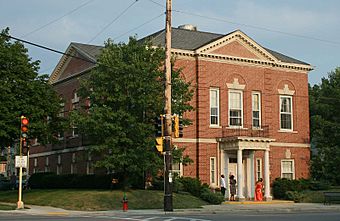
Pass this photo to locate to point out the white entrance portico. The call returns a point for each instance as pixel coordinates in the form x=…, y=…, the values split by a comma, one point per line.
x=241, y=150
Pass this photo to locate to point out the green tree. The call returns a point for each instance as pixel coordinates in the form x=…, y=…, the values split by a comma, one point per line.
x=126, y=93
x=24, y=92
x=325, y=128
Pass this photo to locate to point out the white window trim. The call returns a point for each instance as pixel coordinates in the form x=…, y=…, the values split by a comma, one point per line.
x=252, y=116
x=261, y=175
x=73, y=157
x=180, y=171
x=240, y=92
x=59, y=159
x=75, y=98
x=47, y=161
x=293, y=167
x=291, y=114
x=218, y=106
x=213, y=172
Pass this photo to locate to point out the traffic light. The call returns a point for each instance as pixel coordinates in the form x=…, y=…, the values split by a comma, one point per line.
x=159, y=144
x=24, y=146
x=176, y=126
x=159, y=124
x=24, y=127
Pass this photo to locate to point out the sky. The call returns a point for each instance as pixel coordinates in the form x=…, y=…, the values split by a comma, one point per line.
x=308, y=30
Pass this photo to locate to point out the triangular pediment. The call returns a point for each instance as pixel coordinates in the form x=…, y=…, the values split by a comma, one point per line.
x=237, y=44
x=74, y=61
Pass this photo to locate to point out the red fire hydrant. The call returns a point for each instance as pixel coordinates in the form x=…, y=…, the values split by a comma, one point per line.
x=125, y=203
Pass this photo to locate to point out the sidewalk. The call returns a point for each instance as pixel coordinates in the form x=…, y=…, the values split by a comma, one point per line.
x=226, y=207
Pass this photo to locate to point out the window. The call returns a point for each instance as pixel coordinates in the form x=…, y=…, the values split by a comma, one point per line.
x=213, y=170
x=89, y=165
x=75, y=131
x=59, y=159
x=256, y=108
x=62, y=107
x=75, y=101
x=235, y=108
x=286, y=121
x=258, y=168
x=214, y=106
x=89, y=168
x=287, y=169
x=177, y=168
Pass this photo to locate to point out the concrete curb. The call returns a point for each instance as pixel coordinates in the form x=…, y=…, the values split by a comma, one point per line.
x=227, y=207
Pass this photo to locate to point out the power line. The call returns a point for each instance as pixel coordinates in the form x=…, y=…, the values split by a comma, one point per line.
x=249, y=26
x=49, y=49
x=115, y=19
x=139, y=26
x=95, y=62
x=57, y=19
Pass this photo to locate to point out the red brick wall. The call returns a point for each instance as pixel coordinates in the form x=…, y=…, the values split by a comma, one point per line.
x=256, y=78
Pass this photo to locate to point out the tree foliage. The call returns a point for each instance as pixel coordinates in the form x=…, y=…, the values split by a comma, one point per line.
x=24, y=92
x=126, y=93
x=325, y=128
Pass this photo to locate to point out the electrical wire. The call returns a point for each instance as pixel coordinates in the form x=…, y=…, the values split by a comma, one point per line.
x=111, y=22
x=249, y=26
x=131, y=30
x=57, y=19
x=49, y=49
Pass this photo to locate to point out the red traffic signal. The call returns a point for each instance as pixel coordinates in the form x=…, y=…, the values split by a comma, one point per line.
x=24, y=126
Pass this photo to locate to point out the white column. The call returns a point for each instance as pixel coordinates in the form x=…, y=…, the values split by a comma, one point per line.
x=267, y=195
x=252, y=174
x=226, y=174
x=240, y=196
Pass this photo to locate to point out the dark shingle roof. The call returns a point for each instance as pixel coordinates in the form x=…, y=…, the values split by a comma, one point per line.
x=285, y=58
x=182, y=39
x=92, y=51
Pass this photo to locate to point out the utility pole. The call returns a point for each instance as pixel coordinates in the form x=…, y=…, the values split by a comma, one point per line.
x=168, y=122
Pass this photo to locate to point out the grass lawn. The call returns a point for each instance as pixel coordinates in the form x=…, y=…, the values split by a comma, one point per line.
x=88, y=200
x=4, y=206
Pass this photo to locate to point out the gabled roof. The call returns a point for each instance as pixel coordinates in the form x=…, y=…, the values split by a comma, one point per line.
x=90, y=51
x=187, y=40
x=183, y=38
x=192, y=40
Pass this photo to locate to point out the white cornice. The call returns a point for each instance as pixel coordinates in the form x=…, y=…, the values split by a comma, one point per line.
x=242, y=61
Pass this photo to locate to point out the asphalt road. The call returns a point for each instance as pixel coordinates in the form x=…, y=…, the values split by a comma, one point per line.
x=330, y=216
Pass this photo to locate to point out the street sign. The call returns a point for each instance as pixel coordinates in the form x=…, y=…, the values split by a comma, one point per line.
x=21, y=161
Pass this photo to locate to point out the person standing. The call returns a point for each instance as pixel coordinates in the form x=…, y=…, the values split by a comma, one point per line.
x=232, y=183
x=258, y=190
x=223, y=185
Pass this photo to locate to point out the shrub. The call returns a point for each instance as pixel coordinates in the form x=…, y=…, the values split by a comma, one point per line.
x=319, y=185
x=290, y=189
x=294, y=195
x=211, y=197
x=191, y=185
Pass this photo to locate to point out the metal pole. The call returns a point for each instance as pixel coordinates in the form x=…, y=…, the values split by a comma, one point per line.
x=168, y=127
x=20, y=204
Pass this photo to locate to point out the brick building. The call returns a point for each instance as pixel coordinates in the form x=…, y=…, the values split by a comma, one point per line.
x=251, y=116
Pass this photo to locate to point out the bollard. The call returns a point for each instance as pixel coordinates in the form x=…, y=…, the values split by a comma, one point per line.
x=125, y=203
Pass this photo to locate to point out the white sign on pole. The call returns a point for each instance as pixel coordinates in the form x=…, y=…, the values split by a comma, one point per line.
x=21, y=161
